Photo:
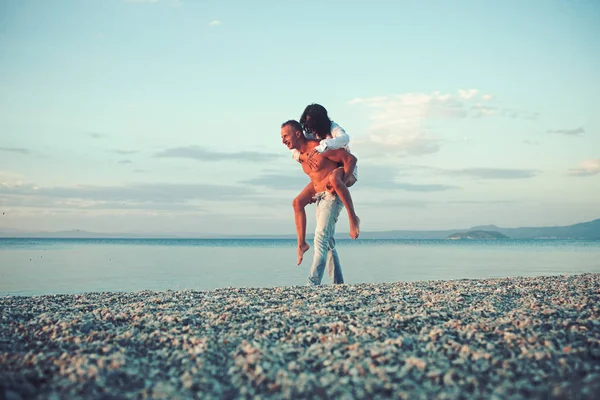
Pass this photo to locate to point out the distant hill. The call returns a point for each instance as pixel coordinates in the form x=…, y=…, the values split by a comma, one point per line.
x=585, y=230
x=478, y=235
x=80, y=234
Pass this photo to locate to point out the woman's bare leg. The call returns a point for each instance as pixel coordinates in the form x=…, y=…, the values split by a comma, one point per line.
x=335, y=179
x=302, y=200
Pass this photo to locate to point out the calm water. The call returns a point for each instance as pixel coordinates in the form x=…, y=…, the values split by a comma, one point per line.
x=46, y=266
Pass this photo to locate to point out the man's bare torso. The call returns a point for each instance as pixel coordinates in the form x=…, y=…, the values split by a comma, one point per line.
x=319, y=175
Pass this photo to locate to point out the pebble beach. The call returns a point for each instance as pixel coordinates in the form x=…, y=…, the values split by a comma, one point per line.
x=505, y=338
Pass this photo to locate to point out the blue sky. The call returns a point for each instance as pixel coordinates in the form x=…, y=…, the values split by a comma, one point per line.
x=164, y=115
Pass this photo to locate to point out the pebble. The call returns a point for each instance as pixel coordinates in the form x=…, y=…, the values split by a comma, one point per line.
x=503, y=338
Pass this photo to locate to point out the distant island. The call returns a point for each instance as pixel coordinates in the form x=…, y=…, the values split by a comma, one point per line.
x=478, y=235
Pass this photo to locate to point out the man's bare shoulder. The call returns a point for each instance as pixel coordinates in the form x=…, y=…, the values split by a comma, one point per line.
x=310, y=145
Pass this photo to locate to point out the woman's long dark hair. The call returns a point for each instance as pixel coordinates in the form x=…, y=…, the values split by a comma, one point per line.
x=315, y=120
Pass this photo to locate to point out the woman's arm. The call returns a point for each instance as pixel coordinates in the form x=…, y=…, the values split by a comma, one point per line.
x=296, y=155
x=338, y=140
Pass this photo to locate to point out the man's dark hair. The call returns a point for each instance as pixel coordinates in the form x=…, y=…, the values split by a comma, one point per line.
x=315, y=118
x=294, y=124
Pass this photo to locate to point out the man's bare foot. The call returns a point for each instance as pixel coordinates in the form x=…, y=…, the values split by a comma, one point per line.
x=303, y=248
x=355, y=228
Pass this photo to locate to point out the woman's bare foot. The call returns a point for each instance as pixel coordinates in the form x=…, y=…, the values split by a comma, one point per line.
x=355, y=228
x=303, y=248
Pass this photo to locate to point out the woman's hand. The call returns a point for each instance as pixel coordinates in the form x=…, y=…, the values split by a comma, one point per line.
x=312, y=162
x=312, y=153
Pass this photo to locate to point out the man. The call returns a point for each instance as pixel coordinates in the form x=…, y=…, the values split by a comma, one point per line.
x=318, y=126
x=328, y=204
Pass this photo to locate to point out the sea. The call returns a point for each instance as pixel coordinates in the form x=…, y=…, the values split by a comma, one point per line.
x=32, y=267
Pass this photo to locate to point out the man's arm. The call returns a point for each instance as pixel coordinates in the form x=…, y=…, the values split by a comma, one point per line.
x=344, y=157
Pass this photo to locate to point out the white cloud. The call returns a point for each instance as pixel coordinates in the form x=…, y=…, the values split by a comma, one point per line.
x=214, y=23
x=467, y=93
x=398, y=121
x=479, y=110
x=400, y=124
x=137, y=192
x=9, y=177
x=410, y=107
x=395, y=140
x=586, y=168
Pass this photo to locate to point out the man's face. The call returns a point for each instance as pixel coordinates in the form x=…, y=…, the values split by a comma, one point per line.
x=288, y=137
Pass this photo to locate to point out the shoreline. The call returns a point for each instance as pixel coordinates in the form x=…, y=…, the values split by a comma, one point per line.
x=520, y=337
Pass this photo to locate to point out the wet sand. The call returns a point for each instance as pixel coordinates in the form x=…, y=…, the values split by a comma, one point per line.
x=493, y=338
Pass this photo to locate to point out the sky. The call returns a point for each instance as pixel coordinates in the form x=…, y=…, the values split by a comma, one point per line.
x=163, y=116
